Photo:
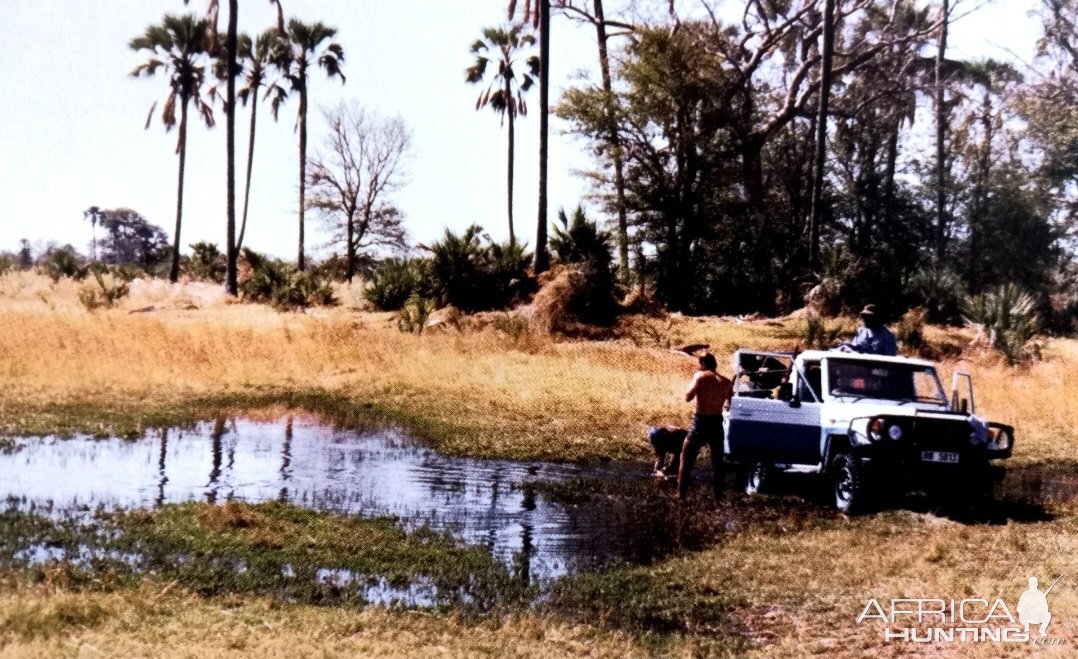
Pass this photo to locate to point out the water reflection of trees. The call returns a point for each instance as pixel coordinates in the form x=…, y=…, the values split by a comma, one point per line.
x=498, y=503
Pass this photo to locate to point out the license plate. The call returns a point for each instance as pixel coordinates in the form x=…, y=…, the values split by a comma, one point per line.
x=939, y=456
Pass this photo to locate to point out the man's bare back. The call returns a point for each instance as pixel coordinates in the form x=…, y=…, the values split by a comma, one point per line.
x=711, y=392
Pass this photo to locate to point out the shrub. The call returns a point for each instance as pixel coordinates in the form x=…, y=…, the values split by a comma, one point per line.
x=473, y=273
x=59, y=262
x=938, y=291
x=393, y=283
x=105, y=291
x=1005, y=319
x=414, y=314
x=124, y=272
x=514, y=326
x=911, y=329
x=206, y=262
x=275, y=282
x=304, y=289
x=7, y=263
x=583, y=245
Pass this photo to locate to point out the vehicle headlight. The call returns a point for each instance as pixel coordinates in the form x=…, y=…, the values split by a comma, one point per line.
x=1001, y=438
x=894, y=432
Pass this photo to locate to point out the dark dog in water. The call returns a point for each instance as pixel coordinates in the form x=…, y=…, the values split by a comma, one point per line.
x=667, y=441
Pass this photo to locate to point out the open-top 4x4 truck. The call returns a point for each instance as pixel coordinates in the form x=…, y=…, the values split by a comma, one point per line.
x=869, y=423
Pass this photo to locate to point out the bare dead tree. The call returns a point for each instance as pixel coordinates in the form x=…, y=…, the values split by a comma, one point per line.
x=353, y=178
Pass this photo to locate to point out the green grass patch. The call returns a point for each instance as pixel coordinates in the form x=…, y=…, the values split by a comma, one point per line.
x=270, y=549
x=130, y=417
x=654, y=603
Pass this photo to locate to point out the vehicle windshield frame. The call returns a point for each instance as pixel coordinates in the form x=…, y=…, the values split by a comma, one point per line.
x=873, y=393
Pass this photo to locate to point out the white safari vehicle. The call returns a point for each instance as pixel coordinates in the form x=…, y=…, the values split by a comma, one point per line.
x=868, y=423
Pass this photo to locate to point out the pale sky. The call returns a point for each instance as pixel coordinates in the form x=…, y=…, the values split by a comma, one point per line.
x=71, y=127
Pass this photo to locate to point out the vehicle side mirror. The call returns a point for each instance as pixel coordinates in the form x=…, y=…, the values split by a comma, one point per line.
x=964, y=406
x=795, y=401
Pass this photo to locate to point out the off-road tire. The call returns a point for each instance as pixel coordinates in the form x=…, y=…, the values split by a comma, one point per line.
x=848, y=485
x=758, y=477
x=979, y=494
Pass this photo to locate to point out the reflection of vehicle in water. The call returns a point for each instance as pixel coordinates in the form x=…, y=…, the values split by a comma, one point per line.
x=868, y=422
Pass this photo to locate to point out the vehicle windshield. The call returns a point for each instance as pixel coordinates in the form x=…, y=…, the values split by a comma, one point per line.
x=883, y=380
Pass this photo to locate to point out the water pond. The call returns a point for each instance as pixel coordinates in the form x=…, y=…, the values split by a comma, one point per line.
x=506, y=506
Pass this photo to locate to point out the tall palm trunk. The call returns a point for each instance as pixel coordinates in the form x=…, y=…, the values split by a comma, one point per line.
x=821, y=135
x=941, y=133
x=754, y=195
x=300, y=262
x=350, y=268
x=250, y=166
x=615, y=143
x=174, y=271
x=542, y=261
x=512, y=138
x=231, y=283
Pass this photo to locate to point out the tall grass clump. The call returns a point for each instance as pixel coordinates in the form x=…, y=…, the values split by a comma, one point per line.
x=414, y=314
x=1005, y=319
x=106, y=289
x=393, y=283
x=817, y=334
x=911, y=329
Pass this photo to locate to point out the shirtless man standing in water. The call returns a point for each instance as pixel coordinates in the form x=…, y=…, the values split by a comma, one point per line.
x=711, y=392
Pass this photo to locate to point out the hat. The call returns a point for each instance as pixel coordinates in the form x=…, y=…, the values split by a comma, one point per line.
x=869, y=311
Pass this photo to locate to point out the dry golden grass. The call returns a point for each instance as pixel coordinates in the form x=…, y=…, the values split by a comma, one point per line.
x=159, y=621
x=805, y=588
x=481, y=391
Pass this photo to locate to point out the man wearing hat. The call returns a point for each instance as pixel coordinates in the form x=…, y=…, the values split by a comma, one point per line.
x=872, y=337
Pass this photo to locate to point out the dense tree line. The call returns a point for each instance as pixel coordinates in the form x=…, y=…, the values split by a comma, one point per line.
x=711, y=133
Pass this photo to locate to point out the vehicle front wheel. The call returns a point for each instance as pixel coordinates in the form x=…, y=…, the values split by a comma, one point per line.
x=848, y=485
x=758, y=477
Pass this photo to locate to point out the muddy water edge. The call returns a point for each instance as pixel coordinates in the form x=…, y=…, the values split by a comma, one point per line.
x=299, y=510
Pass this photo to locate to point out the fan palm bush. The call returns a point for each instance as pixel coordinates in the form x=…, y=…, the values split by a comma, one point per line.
x=1005, y=319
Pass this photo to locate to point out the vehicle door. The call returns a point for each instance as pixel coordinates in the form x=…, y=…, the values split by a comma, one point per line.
x=779, y=430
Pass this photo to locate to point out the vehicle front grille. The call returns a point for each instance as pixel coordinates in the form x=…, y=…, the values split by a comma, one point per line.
x=940, y=435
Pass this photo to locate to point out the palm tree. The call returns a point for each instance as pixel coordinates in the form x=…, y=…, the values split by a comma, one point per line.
x=93, y=213
x=542, y=260
x=256, y=57
x=306, y=48
x=504, y=94
x=231, y=69
x=179, y=47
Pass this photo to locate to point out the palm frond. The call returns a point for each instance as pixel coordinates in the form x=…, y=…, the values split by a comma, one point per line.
x=168, y=113
x=277, y=95
x=332, y=65
x=147, y=68
x=149, y=117
x=206, y=110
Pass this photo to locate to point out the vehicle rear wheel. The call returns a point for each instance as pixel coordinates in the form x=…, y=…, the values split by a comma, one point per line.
x=758, y=477
x=848, y=485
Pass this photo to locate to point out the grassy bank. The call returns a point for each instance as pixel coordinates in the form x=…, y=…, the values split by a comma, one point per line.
x=779, y=580
x=477, y=392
